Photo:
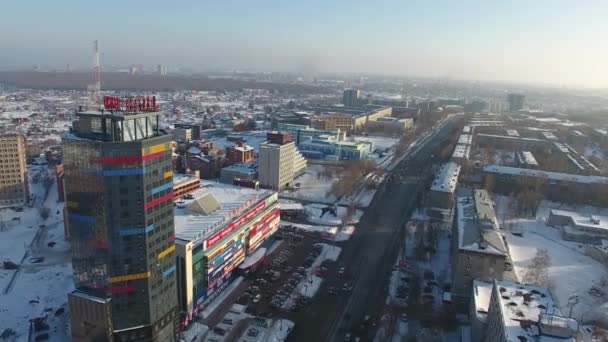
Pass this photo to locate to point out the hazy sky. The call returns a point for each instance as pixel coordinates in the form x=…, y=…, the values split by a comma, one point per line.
x=560, y=42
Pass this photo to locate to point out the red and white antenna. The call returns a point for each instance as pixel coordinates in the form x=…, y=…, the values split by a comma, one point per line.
x=95, y=88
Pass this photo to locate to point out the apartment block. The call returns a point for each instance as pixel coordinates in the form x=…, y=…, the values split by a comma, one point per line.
x=14, y=190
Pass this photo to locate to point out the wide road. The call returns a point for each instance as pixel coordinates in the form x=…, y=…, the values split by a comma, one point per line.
x=370, y=253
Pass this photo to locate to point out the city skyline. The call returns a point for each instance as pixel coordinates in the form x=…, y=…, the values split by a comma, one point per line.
x=551, y=43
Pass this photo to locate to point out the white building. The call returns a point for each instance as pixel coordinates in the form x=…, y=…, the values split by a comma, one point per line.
x=279, y=164
x=505, y=311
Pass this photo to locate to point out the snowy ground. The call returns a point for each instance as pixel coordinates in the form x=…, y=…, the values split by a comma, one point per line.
x=314, y=188
x=572, y=273
x=314, y=214
x=310, y=283
x=38, y=288
x=329, y=232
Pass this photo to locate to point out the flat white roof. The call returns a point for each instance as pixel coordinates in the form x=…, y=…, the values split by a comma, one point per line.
x=549, y=135
x=584, y=220
x=446, y=178
x=526, y=157
x=525, y=303
x=557, y=176
x=512, y=133
x=234, y=201
x=462, y=151
x=465, y=139
x=466, y=129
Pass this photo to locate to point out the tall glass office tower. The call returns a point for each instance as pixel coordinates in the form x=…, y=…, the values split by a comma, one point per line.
x=118, y=182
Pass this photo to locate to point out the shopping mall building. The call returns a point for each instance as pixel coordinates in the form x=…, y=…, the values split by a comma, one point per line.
x=214, y=232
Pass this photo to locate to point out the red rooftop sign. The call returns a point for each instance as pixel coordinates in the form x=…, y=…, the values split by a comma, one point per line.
x=130, y=104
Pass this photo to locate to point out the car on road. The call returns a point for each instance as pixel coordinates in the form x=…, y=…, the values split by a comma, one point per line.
x=346, y=288
x=253, y=332
x=348, y=337
x=257, y=298
x=403, y=317
x=332, y=291
x=342, y=271
x=508, y=266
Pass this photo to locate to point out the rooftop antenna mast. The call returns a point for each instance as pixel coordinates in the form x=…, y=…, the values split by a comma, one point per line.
x=95, y=88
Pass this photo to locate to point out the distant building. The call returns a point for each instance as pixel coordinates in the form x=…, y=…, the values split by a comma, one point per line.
x=348, y=119
x=350, y=97
x=391, y=124
x=195, y=129
x=242, y=171
x=182, y=135
x=335, y=150
x=443, y=186
x=479, y=249
x=505, y=311
x=14, y=189
x=279, y=162
x=300, y=133
x=209, y=166
x=239, y=153
x=516, y=102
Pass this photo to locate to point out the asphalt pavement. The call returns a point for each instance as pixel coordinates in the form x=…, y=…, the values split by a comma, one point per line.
x=370, y=253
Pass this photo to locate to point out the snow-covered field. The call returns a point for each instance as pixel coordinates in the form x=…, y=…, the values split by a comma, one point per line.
x=315, y=188
x=39, y=289
x=572, y=273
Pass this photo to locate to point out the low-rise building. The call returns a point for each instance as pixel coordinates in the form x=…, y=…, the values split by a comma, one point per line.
x=240, y=153
x=480, y=251
x=519, y=313
x=444, y=186
x=585, y=228
x=391, y=124
x=461, y=154
x=214, y=232
x=242, y=171
x=185, y=183
x=526, y=159
x=335, y=150
x=301, y=133
x=209, y=166
x=557, y=186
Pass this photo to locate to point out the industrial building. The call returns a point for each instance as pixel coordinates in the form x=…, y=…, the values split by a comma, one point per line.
x=214, y=232
x=279, y=162
x=119, y=196
x=579, y=227
x=14, y=189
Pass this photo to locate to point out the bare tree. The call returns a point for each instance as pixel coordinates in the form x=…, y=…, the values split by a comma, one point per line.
x=538, y=271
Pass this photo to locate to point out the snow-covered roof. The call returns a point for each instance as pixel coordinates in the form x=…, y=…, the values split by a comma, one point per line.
x=526, y=157
x=446, y=178
x=233, y=201
x=497, y=136
x=183, y=177
x=549, y=135
x=556, y=176
x=465, y=139
x=462, y=151
x=246, y=168
x=512, y=132
x=525, y=308
x=482, y=291
x=583, y=220
x=477, y=224
x=466, y=129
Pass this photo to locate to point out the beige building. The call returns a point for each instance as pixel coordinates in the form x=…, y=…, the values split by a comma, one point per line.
x=279, y=164
x=14, y=188
x=90, y=316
